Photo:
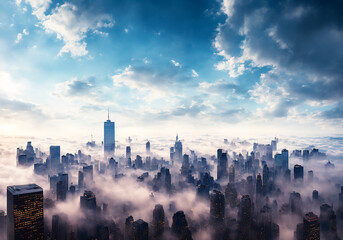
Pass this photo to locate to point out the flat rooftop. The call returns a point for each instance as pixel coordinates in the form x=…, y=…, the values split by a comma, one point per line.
x=24, y=189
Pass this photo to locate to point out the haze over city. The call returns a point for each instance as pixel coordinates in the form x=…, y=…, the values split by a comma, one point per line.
x=199, y=119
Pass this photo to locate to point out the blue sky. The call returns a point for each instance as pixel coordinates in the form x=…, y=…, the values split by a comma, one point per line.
x=239, y=67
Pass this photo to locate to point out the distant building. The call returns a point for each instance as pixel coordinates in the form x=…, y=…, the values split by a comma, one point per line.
x=109, y=137
x=147, y=147
x=178, y=149
x=298, y=172
x=25, y=212
x=55, y=156
x=140, y=230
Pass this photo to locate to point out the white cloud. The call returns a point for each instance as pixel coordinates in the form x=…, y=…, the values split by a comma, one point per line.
x=176, y=64
x=194, y=73
x=70, y=24
x=20, y=36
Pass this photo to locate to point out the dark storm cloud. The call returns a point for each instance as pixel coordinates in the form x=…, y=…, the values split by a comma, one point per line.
x=301, y=40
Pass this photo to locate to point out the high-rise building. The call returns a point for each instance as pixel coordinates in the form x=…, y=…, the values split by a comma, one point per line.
x=180, y=226
x=158, y=221
x=217, y=208
x=222, y=166
x=88, y=201
x=232, y=173
x=285, y=159
x=88, y=174
x=328, y=222
x=231, y=195
x=311, y=227
x=147, y=147
x=55, y=155
x=185, y=165
x=298, y=172
x=295, y=203
x=109, y=137
x=140, y=230
x=178, y=149
x=81, y=180
x=60, y=227
x=25, y=212
x=244, y=213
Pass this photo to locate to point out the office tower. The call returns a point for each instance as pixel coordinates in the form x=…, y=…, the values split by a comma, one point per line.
x=60, y=227
x=81, y=180
x=219, y=153
x=274, y=144
x=185, y=165
x=217, y=207
x=109, y=140
x=178, y=149
x=64, y=178
x=295, y=203
x=138, y=162
x=259, y=189
x=61, y=193
x=180, y=226
x=231, y=195
x=140, y=230
x=25, y=212
x=128, y=152
x=158, y=221
x=315, y=195
x=244, y=213
x=88, y=174
x=311, y=227
x=147, y=147
x=222, y=166
x=278, y=161
x=53, y=182
x=128, y=228
x=88, y=201
x=285, y=159
x=232, y=173
x=172, y=153
x=298, y=172
x=328, y=222
x=55, y=155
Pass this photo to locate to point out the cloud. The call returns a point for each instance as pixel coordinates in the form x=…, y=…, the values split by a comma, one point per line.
x=194, y=73
x=297, y=40
x=335, y=113
x=71, y=24
x=176, y=64
x=154, y=81
x=20, y=36
x=12, y=108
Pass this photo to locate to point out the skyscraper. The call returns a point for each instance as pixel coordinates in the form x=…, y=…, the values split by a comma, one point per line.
x=147, y=147
x=285, y=160
x=178, y=149
x=217, y=209
x=140, y=230
x=298, y=172
x=109, y=141
x=25, y=212
x=222, y=166
x=55, y=155
x=158, y=221
x=311, y=226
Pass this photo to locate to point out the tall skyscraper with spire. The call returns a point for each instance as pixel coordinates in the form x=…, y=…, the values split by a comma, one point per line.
x=109, y=140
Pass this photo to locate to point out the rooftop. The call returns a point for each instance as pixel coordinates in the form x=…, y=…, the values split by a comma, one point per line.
x=24, y=189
